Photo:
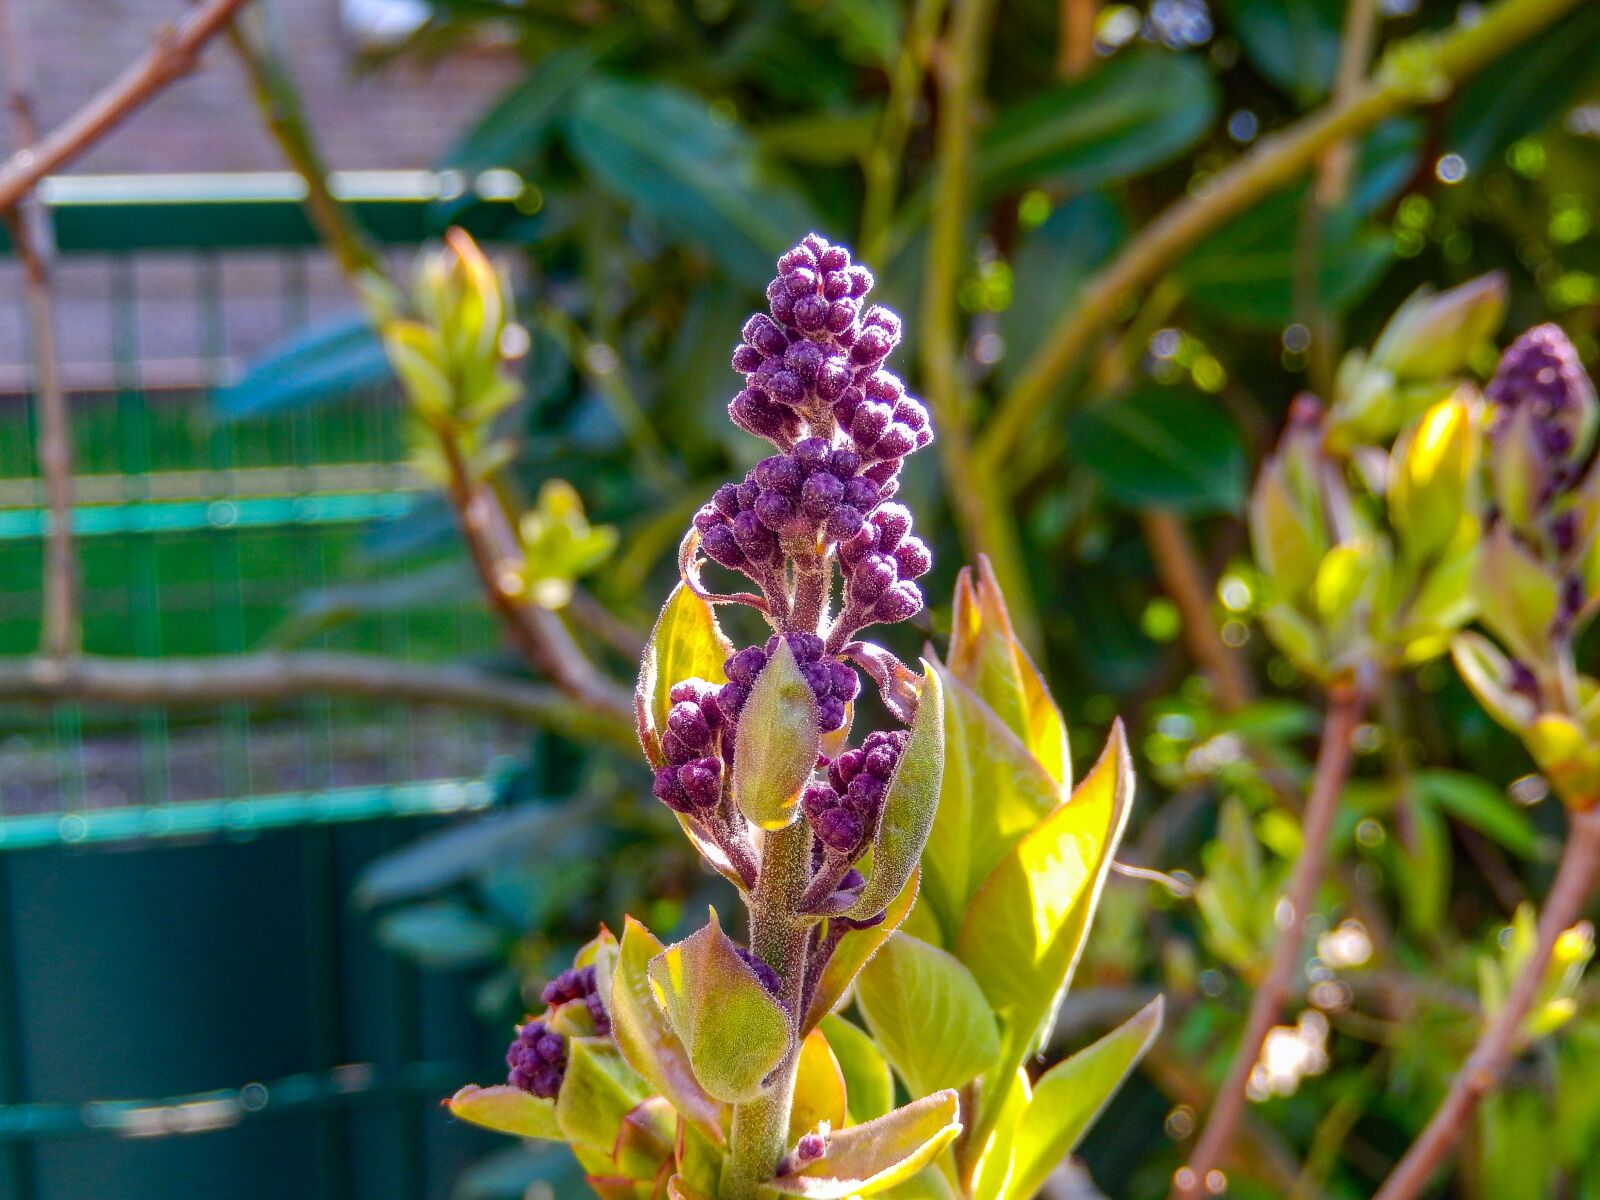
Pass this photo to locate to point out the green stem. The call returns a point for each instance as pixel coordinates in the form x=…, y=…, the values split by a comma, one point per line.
x=882, y=167
x=760, y=1130
x=1420, y=70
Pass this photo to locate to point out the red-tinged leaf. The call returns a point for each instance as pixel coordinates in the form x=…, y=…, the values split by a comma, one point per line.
x=646, y=1039
x=871, y=1158
x=909, y=804
x=853, y=951
x=646, y=1139
x=507, y=1109
x=819, y=1088
x=687, y=643
x=734, y=1030
x=677, y=1189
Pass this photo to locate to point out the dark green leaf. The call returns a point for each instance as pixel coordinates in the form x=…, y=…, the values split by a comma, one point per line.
x=320, y=364
x=660, y=149
x=1294, y=43
x=1132, y=113
x=444, y=936
x=1160, y=447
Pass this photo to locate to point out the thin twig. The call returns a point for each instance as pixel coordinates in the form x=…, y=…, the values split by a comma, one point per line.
x=275, y=676
x=882, y=166
x=1575, y=880
x=173, y=53
x=1183, y=578
x=944, y=367
x=1345, y=705
x=1420, y=70
x=60, y=630
x=1075, y=38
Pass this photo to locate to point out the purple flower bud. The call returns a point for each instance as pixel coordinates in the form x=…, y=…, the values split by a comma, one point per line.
x=844, y=463
x=731, y=700
x=794, y=259
x=841, y=314
x=834, y=258
x=811, y=313
x=844, y=408
x=805, y=360
x=781, y=305
x=780, y=473
x=851, y=552
x=845, y=683
x=893, y=523
x=897, y=442
x=701, y=782
x=911, y=413
x=689, y=723
x=809, y=1148
x=754, y=412
x=801, y=282
x=870, y=422
x=872, y=577
x=786, y=388
x=885, y=388
x=861, y=281
x=861, y=493
x=843, y=522
x=777, y=511
x=744, y=666
x=832, y=379
x=537, y=1060
x=723, y=548
x=676, y=750
x=820, y=493
x=871, y=347
x=912, y=558
x=707, y=518
x=754, y=538
x=840, y=829
x=747, y=359
x=836, y=285
x=761, y=333
x=886, y=473
x=726, y=500
x=807, y=647
x=879, y=317
x=900, y=603
x=811, y=453
x=830, y=714
x=768, y=977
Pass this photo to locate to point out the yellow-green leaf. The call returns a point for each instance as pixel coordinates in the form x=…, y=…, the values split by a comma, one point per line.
x=854, y=949
x=507, y=1109
x=775, y=750
x=866, y=1159
x=909, y=804
x=687, y=643
x=869, y=1087
x=1068, y=1097
x=991, y=793
x=1028, y=921
x=819, y=1088
x=600, y=1089
x=734, y=1030
x=646, y=1038
x=928, y=1014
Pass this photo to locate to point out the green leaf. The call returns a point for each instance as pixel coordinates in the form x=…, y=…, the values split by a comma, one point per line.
x=854, y=949
x=1071, y=1095
x=928, y=1014
x=927, y=1184
x=515, y=129
x=687, y=643
x=1130, y=114
x=1294, y=43
x=444, y=935
x=659, y=148
x=869, y=1087
x=993, y=791
x=1027, y=924
x=507, y=1109
x=1160, y=447
x=734, y=1030
x=775, y=750
x=866, y=1159
x=909, y=804
x=1527, y=90
x=598, y=1091
x=646, y=1039
x=819, y=1088
x=1484, y=807
x=327, y=362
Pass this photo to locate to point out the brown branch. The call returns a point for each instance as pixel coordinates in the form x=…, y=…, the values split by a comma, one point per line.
x=1575, y=879
x=1345, y=705
x=1075, y=39
x=288, y=675
x=537, y=632
x=60, y=630
x=172, y=54
x=1183, y=578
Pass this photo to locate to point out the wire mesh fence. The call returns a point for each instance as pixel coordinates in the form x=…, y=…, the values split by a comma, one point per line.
x=202, y=535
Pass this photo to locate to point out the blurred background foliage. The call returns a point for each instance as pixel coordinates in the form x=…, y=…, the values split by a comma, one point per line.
x=660, y=153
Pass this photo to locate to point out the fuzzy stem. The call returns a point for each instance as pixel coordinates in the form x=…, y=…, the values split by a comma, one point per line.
x=1575, y=879
x=1345, y=704
x=779, y=938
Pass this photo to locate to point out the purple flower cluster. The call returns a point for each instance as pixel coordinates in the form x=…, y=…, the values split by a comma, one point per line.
x=844, y=811
x=578, y=984
x=880, y=564
x=693, y=746
x=537, y=1060
x=832, y=682
x=1543, y=401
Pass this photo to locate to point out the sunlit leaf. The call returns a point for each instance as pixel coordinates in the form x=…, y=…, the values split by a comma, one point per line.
x=734, y=1030
x=507, y=1109
x=819, y=1088
x=866, y=1159
x=855, y=948
x=1068, y=1097
x=597, y=1092
x=928, y=1014
x=775, y=750
x=687, y=643
x=869, y=1087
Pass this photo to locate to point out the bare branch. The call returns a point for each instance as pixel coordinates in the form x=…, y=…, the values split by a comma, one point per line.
x=60, y=632
x=172, y=54
x=270, y=677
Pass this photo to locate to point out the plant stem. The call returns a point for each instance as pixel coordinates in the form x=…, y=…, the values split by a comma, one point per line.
x=1075, y=38
x=1575, y=880
x=1184, y=578
x=60, y=630
x=1345, y=704
x=882, y=167
x=1420, y=70
x=760, y=1131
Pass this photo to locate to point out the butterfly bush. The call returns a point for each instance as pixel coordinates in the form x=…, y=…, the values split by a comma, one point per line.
x=715, y=1069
